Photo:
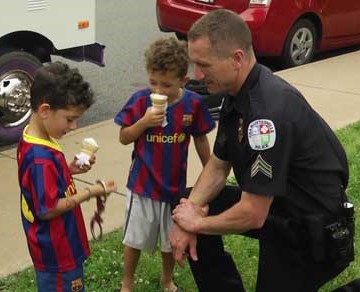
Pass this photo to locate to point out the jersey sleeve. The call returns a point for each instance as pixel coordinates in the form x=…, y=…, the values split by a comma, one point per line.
x=203, y=122
x=133, y=110
x=45, y=187
x=270, y=148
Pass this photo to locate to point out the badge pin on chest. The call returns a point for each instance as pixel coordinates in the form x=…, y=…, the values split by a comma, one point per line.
x=240, y=130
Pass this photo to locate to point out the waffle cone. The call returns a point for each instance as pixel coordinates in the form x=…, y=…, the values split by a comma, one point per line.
x=89, y=146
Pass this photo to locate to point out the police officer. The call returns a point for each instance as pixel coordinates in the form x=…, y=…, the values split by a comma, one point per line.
x=291, y=169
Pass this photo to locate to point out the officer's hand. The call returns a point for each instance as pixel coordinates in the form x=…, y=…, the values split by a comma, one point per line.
x=188, y=215
x=183, y=244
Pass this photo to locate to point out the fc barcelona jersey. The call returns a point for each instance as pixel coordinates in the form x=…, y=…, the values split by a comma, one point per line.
x=59, y=244
x=159, y=160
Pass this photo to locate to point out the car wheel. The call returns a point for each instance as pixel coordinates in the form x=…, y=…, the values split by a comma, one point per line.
x=17, y=71
x=300, y=44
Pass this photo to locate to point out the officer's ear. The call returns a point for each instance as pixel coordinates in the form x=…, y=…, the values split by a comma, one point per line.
x=238, y=58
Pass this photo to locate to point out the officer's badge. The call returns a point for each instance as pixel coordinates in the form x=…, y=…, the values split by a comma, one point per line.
x=76, y=285
x=187, y=120
x=260, y=165
x=261, y=134
x=240, y=130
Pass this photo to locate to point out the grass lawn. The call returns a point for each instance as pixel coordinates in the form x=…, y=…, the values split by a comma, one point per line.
x=103, y=271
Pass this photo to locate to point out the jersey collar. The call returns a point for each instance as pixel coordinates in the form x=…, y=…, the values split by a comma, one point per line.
x=35, y=140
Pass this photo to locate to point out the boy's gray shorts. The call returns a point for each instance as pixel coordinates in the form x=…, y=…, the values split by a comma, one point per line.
x=145, y=220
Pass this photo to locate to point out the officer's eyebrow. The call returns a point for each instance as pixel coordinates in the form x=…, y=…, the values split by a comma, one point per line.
x=200, y=63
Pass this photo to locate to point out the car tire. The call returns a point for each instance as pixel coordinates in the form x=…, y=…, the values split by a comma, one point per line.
x=300, y=44
x=16, y=65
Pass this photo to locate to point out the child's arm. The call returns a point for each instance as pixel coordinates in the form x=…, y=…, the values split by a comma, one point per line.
x=149, y=119
x=68, y=203
x=202, y=147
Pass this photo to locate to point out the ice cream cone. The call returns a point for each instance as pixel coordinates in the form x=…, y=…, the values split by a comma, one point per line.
x=89, y=146
x=158, y=101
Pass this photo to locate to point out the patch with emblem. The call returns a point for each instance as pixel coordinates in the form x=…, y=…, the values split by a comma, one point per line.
x=240, y=130
x=261, y=166
x=76, y=285
x=261, y=134
x=187, y=120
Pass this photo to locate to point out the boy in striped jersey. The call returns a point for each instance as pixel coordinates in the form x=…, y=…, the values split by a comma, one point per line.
x=50, y=204
x=159, y=161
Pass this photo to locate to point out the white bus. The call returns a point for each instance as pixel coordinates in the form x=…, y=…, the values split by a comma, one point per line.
x=30, y=32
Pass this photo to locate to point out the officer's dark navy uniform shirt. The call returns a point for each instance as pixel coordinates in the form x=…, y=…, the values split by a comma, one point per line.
x=279, y=146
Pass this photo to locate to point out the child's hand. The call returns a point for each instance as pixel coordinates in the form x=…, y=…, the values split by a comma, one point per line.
x=111, y=186
x=154, y=117
x=103, y=188
x=76, y=169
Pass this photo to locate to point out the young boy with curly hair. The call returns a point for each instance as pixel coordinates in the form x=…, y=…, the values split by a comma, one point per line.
x=159, y=160
x=50, y=204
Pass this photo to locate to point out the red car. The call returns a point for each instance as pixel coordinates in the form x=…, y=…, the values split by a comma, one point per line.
x=290, y=29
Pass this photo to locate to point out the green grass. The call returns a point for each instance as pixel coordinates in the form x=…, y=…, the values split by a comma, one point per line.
x=103, y=270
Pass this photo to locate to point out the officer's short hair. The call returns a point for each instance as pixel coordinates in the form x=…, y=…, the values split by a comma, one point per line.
x=225, y=29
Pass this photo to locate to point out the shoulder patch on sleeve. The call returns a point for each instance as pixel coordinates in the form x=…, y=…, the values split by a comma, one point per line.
x=261, y=134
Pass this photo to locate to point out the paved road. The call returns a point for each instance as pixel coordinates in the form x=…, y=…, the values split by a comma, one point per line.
x=126, y=27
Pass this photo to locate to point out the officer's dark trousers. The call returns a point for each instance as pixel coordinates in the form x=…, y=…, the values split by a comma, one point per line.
x=281, y=268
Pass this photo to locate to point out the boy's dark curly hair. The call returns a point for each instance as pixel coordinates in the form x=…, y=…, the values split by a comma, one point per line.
x=61, y=87
x=167, y=54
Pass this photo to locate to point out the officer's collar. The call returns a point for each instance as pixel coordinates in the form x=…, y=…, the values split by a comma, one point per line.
x=239, y=101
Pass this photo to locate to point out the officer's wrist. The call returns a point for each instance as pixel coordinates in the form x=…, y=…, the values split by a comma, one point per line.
x=198, y=225
x=195, y=199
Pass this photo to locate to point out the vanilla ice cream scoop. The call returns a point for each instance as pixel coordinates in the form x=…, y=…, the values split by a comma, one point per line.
x=158, y=101
x=88, y=147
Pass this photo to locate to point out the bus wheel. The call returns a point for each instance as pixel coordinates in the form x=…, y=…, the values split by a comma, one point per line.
x=17, y=69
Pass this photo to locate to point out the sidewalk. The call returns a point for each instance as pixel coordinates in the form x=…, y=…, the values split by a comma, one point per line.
x=331, y=86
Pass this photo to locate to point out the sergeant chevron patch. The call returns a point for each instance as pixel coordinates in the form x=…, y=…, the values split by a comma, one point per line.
x=260, y=165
